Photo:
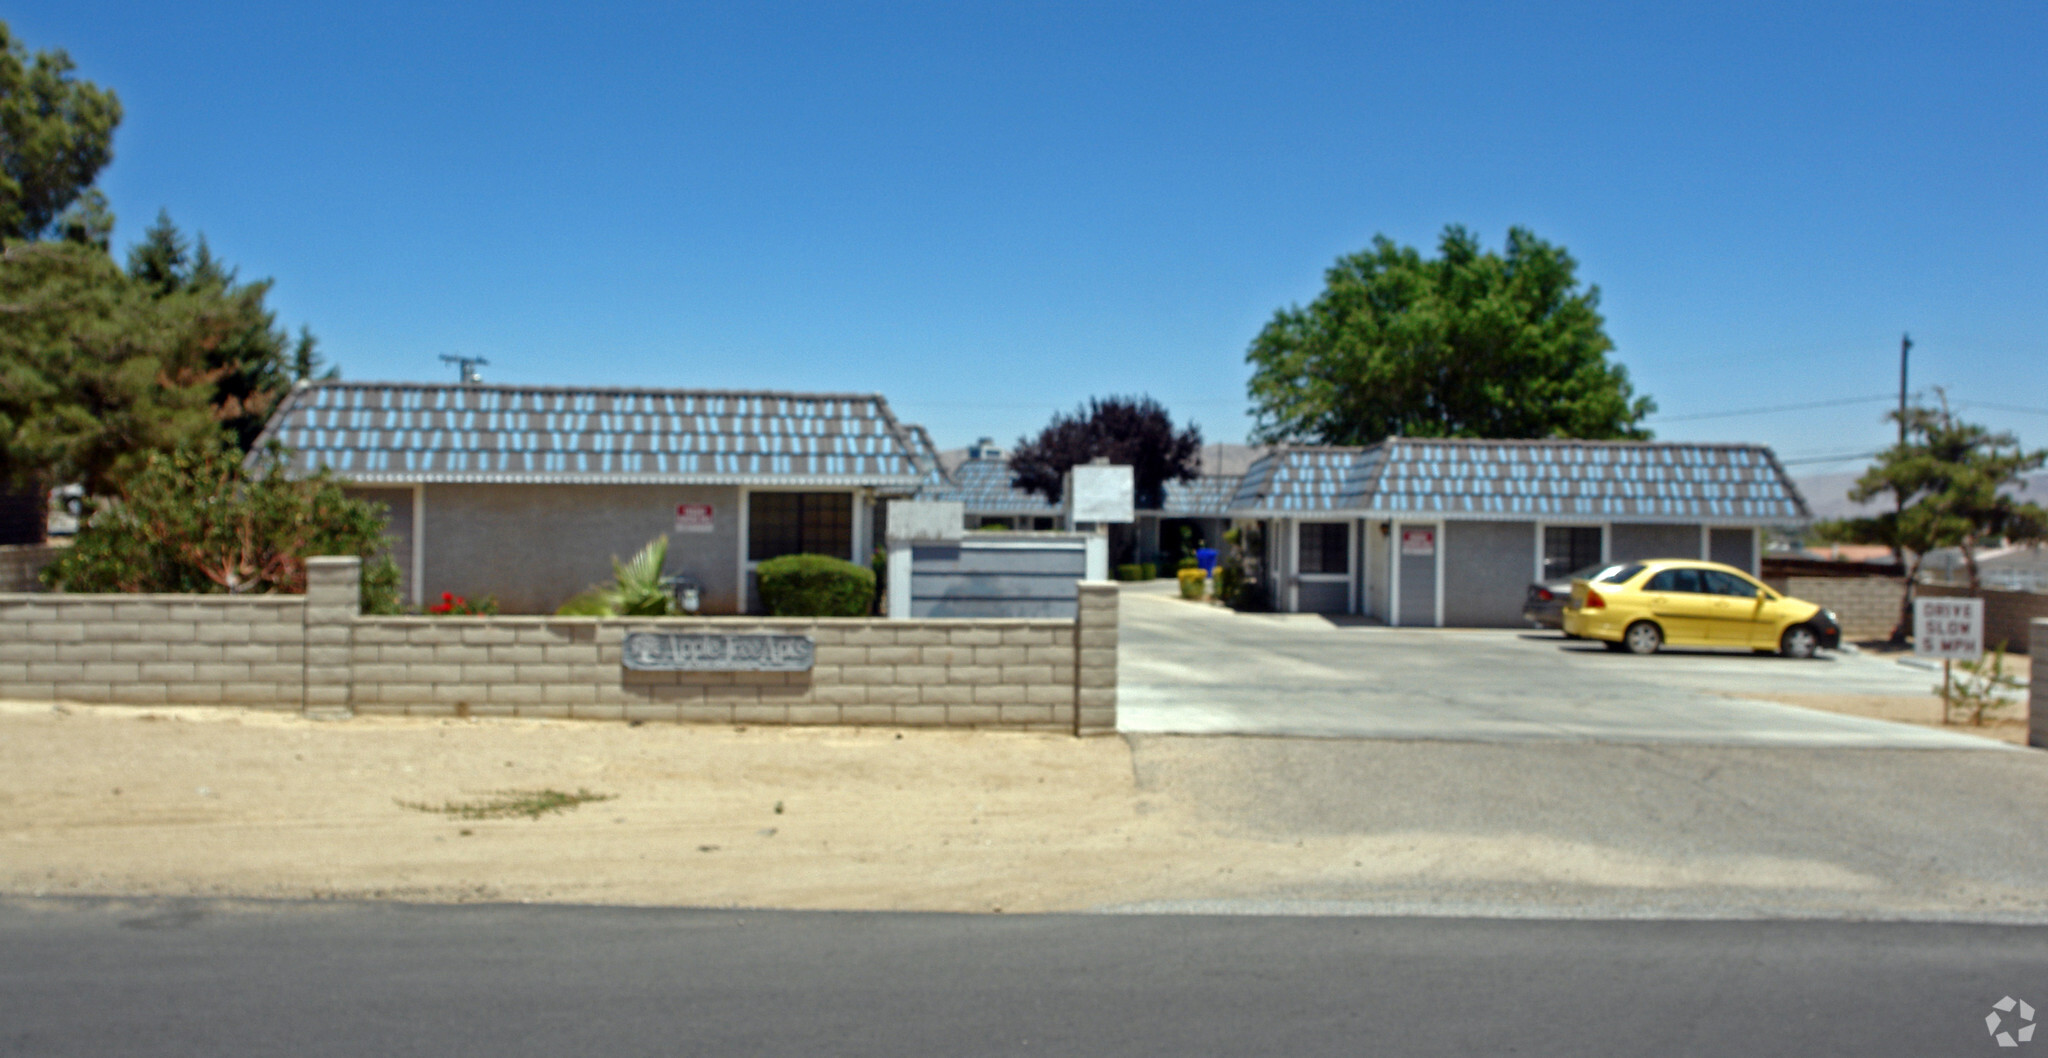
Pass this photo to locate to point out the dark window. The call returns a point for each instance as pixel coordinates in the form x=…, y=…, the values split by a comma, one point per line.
x=1676, y=580
x=1569, y=547
x=1720, y=583
x=1325, y=548
x=799, y=523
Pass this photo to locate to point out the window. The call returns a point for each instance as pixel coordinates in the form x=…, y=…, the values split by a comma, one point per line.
x=1569, y=547
x=1618, y=574
x=1719, y=583
x=792, y=523
x=1325, y=547
x=1677, y=580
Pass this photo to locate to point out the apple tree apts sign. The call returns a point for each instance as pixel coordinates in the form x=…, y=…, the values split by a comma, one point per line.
x=1949, y=629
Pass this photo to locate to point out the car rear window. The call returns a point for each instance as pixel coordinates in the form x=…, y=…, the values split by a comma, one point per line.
x=1618, y=574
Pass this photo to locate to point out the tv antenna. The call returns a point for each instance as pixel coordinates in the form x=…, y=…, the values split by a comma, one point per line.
x=467, y=365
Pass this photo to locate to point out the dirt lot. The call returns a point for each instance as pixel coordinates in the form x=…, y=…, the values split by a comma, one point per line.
x=221, y=802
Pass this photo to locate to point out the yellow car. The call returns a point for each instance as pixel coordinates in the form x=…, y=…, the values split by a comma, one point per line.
x=1641, y=606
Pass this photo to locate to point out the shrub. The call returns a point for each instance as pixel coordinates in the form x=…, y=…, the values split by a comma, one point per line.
x=1193, y=584
x=1148, y=571
x=202, y=519
x=1189, y=562
x=1130, y=571
x=815, y=586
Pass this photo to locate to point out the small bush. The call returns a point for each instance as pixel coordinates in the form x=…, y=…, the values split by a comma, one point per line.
x=815, y=586
x=1148, y=571
x=1130, y=571
x=1194, y=584
x=1188, y=562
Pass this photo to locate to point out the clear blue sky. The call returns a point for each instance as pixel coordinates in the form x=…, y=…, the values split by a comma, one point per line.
x=989, y=212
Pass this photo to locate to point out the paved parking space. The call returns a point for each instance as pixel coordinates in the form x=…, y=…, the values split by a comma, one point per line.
x=1189, y=669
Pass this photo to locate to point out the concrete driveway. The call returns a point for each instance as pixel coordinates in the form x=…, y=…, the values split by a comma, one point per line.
x=1187, y=669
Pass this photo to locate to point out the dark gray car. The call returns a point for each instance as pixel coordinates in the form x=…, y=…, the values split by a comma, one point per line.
x=1544, y=606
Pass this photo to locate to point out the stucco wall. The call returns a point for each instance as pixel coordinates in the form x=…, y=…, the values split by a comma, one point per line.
x=1733, y=547
x=22, y=565
x=1486, y=573
x=397, y=531
x=1627, y=543
x=534, y=546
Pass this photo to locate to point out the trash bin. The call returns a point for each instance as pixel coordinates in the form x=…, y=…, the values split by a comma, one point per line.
x=1205, y=557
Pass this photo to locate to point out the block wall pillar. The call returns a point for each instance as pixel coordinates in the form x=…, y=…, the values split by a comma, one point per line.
x=2037, y=687
x=1095, y=659
x=333, y=601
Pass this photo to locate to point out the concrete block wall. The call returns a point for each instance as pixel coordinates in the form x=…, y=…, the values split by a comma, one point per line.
x=155, y=649
x=1016, y=674
x=1095, y=660
x=1868, y=607
x=2037, y=688
x=316, y=652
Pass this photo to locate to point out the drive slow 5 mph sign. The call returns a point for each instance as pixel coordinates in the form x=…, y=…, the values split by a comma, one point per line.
x=1949, y=629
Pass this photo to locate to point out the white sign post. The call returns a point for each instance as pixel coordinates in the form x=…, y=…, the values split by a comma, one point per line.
x=1948, y=629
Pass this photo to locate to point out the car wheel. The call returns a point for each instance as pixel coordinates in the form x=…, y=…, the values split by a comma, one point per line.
x=1643, y=638
x=1799, y=641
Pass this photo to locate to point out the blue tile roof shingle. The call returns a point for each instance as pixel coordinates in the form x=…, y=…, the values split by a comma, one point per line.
x=1528, y=480
x=431, y=432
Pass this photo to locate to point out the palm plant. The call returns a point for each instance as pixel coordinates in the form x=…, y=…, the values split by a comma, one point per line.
x=636, y=589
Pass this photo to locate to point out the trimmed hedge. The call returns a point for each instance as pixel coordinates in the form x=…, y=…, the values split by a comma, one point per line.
x=815, y=586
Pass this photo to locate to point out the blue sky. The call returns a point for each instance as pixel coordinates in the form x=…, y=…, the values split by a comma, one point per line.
x=990, y=212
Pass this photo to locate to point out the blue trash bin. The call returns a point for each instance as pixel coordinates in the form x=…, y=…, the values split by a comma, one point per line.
x=1205, y=557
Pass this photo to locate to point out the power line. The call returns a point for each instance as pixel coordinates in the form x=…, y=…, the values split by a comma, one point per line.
x=2001, y=407
x=1840, y=402
x=1828, y=459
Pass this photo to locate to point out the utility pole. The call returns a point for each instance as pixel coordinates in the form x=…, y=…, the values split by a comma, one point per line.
x=1905, y=625
x=1905, y=346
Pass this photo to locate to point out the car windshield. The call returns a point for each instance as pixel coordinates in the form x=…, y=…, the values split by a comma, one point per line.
x=1617, y=574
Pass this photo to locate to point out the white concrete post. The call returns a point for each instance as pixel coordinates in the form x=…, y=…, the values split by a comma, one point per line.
x=1096, y=552
x=911, y=523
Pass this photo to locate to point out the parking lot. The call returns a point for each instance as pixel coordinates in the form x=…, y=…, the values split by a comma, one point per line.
x=1190, y=669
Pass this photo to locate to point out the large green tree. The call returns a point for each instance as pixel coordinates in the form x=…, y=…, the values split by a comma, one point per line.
x=56, y=134
x=99, y=367
x=1469, y=343
x=1953, y=484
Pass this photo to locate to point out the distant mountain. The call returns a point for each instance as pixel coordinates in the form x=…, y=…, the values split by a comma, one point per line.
x=1828, y=494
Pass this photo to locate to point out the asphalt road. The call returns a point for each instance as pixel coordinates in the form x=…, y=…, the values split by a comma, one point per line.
x=494, y=980
x=1186, y=669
